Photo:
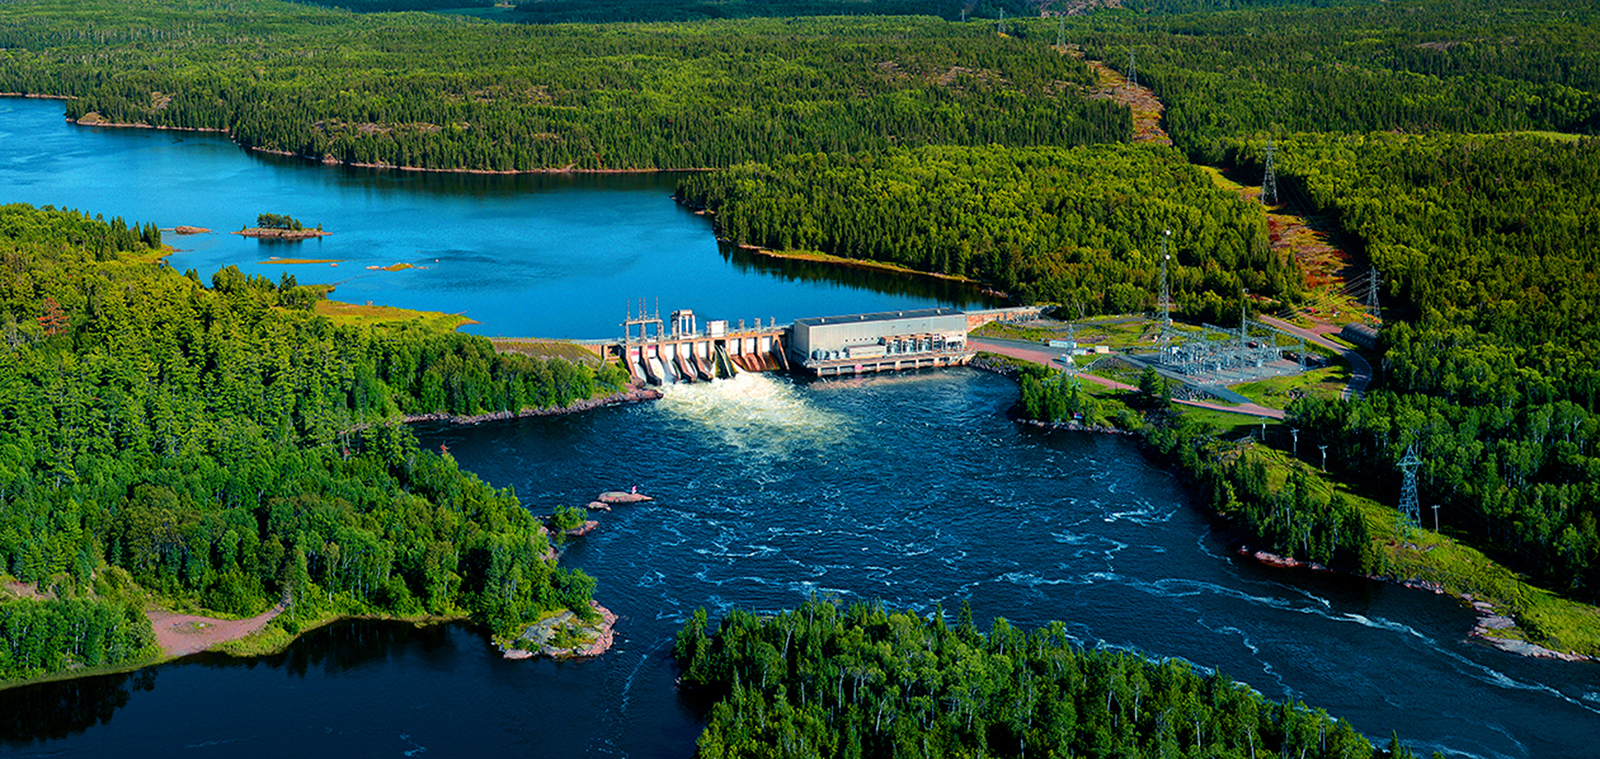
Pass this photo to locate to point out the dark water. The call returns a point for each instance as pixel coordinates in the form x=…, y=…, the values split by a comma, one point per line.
x=915, y=490
x=536, y=255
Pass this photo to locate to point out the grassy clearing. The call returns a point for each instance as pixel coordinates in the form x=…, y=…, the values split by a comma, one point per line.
x=561, y=349
x=1277, y=392
x=351, y=314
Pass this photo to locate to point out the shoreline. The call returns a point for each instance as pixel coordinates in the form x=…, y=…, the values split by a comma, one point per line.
x=633, y=394
x=328, y=160
x=857, y=263
x=292, y=235
x=1489, y=615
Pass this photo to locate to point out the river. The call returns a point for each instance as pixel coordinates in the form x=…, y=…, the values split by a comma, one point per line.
x=912, y=489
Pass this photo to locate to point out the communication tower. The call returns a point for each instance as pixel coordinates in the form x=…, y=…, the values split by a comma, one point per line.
x=1133, y=71
x=1409, y=513
x=1269, y=183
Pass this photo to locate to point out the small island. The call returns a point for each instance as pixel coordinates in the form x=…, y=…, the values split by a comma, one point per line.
x=273, y=226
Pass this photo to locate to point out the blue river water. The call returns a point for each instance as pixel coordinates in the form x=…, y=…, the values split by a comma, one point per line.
x=913, y=489
x=548, y=255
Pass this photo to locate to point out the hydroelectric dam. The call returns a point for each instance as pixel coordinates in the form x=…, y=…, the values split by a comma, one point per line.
x=680, y=349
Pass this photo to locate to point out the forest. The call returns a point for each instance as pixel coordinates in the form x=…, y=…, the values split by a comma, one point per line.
x=1083, y=227
x=224, y=448
x=450, y=92
x=1485, y=245
x=1358, y=67
x=866, y=681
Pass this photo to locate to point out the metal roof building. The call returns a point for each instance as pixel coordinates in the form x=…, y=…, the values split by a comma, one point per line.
x=885, y=341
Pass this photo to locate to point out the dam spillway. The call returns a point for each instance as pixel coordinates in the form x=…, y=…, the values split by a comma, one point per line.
x=678, y=349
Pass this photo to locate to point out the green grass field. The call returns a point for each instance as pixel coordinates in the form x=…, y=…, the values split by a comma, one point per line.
x=348, y=313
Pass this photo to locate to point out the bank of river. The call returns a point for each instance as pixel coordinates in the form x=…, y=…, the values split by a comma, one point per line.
x=913, y=489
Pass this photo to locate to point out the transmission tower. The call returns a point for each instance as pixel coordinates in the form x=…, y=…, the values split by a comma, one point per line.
x=1373, y=280
x=1001, y=26
x=1133, y=72
x=1165, y=304
x=1409, y=512
x=1269, y=183
x=1061, y=31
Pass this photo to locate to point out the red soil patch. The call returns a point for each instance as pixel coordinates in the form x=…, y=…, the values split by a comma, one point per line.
x=1142, y=101
x=182, y=634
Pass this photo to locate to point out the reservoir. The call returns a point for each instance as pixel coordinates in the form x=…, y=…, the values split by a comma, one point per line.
x=540, y=255
x=911, y=489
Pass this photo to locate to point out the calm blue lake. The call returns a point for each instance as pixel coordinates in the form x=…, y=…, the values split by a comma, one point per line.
x=548, y=255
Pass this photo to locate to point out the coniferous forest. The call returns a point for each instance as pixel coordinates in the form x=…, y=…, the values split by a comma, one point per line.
x=209, y=440
x=219, y=445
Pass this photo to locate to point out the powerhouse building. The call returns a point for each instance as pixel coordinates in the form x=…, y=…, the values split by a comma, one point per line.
x=887, y=341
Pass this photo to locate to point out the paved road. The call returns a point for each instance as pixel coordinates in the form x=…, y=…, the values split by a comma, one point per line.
x=1040, y=354
x=1360, y=370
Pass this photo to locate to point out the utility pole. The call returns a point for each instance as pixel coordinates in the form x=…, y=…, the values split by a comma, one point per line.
x=1166, y=288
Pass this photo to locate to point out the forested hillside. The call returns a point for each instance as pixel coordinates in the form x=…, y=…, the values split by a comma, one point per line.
x=1470, y=66
x=818, y=681
x=224, y=447
x=1081, y=227
x=450, y=92
x=1488, y=242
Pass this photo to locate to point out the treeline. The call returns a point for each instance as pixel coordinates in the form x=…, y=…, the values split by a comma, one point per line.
x=1486, y=246
x=864, y=681
x=1463, y=66
x=229, y=452
x=37, y=637
x=1297, y=514
x=278, y=221
x=1286, y=511
x=1078, y=226
x=610, y=11
x=1051, y=396
x=449, y=92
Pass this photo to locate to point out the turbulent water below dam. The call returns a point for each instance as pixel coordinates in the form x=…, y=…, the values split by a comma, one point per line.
x=912, y=489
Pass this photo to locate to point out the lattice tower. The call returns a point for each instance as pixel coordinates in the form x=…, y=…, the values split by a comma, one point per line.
x=1133, y=71
x=1409, y=511
x=1373, y=280
x=1269, y=183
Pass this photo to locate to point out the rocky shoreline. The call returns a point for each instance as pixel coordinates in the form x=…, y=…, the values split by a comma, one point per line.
x=538, y=639
x=1490, y=620
x=282, y=234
